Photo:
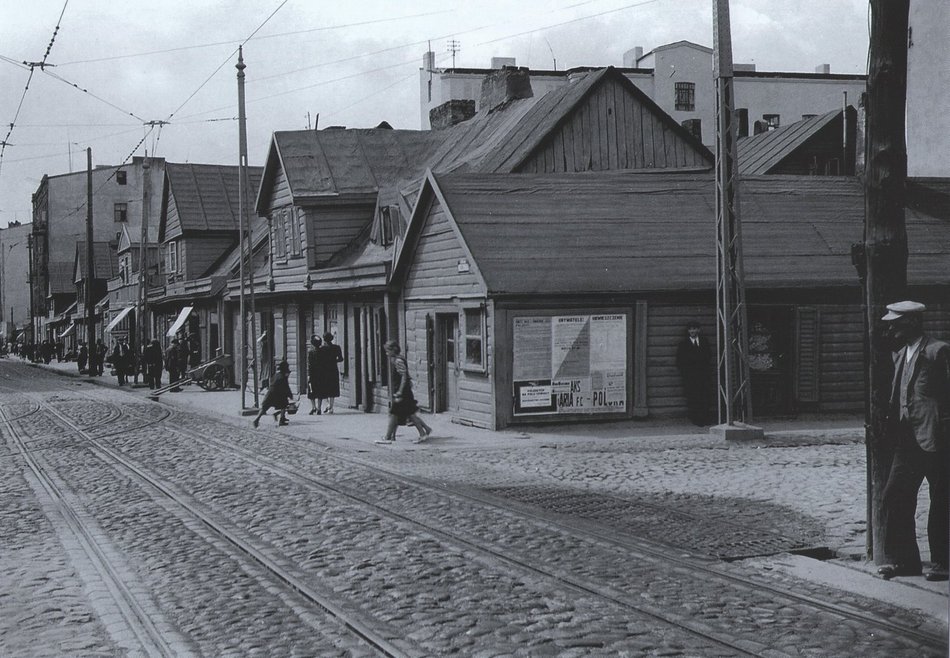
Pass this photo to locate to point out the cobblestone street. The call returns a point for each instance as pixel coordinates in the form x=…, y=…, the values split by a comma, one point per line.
x=174, y=528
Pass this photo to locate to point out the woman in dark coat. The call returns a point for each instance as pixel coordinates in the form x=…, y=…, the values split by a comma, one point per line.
x=313, y=372
x=327, y=381
x=278, y=396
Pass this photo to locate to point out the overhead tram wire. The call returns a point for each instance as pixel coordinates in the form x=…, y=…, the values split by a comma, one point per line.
x=323, y=28
x=226, y=61
x=32, y=66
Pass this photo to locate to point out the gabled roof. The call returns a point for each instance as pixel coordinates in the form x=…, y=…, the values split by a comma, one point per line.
x=334, y=162
x=61, y=279
x=105, y=263
x=616, y=232
x=759, y=154
x=206, y=196
x=501, y=141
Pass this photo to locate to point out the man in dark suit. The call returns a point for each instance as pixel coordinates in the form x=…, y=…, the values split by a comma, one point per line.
x=694, y=361
x=919, y=424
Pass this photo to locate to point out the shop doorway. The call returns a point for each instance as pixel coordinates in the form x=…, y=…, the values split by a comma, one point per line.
x=446, y=362
x=771, y=359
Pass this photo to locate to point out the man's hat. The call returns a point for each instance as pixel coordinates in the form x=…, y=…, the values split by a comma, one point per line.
x=900, y=309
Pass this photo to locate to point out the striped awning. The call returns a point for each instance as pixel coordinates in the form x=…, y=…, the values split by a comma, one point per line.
x=179, y=321
x=70, y=329
x=117, y=319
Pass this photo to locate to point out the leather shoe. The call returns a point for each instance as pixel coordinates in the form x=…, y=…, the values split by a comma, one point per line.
x=889, y=571
x=937, y=573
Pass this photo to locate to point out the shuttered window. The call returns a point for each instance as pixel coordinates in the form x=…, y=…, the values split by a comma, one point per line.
x=809, y=330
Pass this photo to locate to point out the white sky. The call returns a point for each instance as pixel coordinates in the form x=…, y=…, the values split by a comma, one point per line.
x=355, y=63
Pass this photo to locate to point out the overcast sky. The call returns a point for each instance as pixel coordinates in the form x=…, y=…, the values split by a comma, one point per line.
x=355, y=62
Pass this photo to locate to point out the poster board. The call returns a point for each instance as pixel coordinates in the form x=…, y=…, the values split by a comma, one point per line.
x=569, y=364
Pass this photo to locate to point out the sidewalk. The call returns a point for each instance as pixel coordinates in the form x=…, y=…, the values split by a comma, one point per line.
x=354, y=430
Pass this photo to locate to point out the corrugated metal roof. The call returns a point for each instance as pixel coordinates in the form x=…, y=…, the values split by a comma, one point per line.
x=622, y=232
x=760, y=153
x=353, y=161
x=206, y=195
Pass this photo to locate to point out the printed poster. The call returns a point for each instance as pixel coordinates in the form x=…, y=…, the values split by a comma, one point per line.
x=570, y=364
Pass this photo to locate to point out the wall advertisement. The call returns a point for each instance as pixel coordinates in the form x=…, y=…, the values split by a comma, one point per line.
x=570, y=364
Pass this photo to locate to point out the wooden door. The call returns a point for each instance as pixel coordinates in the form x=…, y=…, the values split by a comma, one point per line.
x=446, y=362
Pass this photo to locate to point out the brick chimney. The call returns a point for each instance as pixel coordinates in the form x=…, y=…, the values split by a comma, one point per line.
x=504, y=85
x=450, y=113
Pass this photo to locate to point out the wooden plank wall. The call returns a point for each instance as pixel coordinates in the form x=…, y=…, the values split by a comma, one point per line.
x=841, y=355
x=434, y=271
x=612, y=130
x=172, y=220
x=333, y=227
x=666, y=326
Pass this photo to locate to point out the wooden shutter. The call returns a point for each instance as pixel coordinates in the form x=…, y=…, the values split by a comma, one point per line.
x=808, y=361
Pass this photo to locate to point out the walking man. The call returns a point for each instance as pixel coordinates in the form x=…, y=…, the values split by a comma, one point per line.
x=919, y=428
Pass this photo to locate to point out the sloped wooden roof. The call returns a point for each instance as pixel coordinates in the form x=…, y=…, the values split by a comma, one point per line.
x=501, y=141
x=61, y=277
x=759, y=154
x=620, y=232
x=104, y=261
x=330, y=162
x=206, y=195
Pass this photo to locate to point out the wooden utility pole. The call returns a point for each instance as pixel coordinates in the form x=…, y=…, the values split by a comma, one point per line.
x=245, y=241
x=90, y=264
x=884, y=257
x=141, y=311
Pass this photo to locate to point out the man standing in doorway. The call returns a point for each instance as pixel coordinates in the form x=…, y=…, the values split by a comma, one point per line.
x=919, y=428
x=694, y=362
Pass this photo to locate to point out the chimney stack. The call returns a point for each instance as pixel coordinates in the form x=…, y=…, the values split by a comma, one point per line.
x=428, y=61
x=504, y=85
x=631, y=57
x=450, y=113
x=823, y=68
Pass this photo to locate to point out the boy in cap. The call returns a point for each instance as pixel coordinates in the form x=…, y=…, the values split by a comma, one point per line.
x=919, y=425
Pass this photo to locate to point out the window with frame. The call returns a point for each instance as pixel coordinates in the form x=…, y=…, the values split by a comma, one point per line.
x=772, y=120
x=473, y=327
x=278, y=232
x=121, y=178
x=172, y=258
x=120, y=212
x=685, y=96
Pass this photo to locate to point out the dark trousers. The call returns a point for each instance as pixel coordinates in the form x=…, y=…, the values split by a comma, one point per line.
x=911, y=466
x=698, y=398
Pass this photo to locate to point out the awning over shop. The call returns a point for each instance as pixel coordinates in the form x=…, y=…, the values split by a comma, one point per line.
x=19, y=336
x=70, y=329
x=117, y=319
x=179, y=321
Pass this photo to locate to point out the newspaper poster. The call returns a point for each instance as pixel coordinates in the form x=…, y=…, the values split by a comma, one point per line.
x=570, y=364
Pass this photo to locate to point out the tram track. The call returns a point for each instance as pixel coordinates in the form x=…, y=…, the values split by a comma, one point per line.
x=94, y=438
x=658, y=554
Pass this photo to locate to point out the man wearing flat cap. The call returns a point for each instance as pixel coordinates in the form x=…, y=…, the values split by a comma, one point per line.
x=919, y=426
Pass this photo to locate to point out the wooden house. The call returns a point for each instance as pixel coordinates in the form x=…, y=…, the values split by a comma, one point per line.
x=338, y=200
x=199, y=229
x=124, y=290
x=105, y=266
x=527, y=298
x=824, y=145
